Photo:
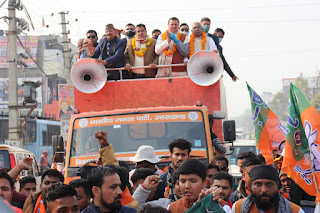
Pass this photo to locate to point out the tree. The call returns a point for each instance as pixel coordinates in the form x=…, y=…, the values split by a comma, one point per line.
x=279, y=105
x=316, y=101
x=303, y=85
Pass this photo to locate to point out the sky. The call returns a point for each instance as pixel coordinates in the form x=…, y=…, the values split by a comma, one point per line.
x=265, y=40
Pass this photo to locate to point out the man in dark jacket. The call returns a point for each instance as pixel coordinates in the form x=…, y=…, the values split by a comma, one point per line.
x=104, y=184
x=217, y=37
x=110, y=53
x=180, y=151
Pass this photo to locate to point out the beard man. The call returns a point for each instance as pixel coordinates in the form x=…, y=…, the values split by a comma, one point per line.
x=264, y=196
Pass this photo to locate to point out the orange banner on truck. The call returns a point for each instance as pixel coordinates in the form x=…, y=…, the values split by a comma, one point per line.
x=188, y=116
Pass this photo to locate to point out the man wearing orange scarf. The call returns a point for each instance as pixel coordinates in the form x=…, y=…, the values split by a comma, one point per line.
x=172, y=46
x=35, y=202
x=140, y=52
x=200, y=41
x=192, y=174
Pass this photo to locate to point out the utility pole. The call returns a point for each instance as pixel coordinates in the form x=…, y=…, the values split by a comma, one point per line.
x=12, y=72
x=66, y=50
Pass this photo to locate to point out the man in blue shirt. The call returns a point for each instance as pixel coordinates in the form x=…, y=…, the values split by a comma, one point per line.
x=110, y=52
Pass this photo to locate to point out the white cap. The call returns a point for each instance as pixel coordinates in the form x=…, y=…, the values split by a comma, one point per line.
x=145, y=153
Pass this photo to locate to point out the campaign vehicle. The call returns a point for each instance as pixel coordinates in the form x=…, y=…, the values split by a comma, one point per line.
x=151, y=111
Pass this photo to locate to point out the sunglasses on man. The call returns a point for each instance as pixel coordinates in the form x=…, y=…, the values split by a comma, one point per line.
x=91, y=37
x=185, y=29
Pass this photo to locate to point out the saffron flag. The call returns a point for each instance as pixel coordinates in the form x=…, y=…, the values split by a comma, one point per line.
x=269, y=131
x=302, y=147
x=43, y=24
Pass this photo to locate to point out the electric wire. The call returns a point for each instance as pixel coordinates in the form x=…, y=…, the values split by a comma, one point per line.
x=31, y=56
x=3, y=3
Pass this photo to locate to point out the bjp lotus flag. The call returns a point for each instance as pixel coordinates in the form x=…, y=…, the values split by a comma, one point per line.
x=269, y=132
x=302, y=147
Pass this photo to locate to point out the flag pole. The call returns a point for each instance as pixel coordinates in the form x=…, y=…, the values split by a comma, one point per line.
x=313, y=175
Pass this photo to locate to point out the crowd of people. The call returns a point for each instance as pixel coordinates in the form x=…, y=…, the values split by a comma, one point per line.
x=184, y=185
x=176, y=45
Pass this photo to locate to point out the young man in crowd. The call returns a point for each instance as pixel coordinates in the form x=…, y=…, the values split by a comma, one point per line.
x=264, y=195
x=222, y=162
x=28, y=185
x=192, y=175
x=139, y=176
x=61, y=198
x=6, y=186
x=146, y=157
x=6, y=189
x=83, y=193
x=243, y=189
x=223, y=180
x=242, y=157
x=285, y=182
x=104, y=185
x=144, y=192
x=36, y=201
x=19, y=198
x=211, y=171
x=179, y=152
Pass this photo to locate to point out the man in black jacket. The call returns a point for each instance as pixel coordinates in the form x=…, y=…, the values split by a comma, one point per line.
x=217, y=37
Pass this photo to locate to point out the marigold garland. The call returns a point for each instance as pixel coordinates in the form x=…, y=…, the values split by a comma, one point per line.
x=203, y=43
x=143, y=49
x=174, y=47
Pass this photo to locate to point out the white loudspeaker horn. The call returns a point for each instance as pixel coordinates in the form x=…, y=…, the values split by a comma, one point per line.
x=88, y=76
x=205, y=68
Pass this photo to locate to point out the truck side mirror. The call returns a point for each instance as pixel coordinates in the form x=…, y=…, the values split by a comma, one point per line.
x=58, y=148
x=218, y=115
x=229, y=130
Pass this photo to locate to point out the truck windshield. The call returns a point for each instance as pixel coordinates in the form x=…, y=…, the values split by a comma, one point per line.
x=128, y=132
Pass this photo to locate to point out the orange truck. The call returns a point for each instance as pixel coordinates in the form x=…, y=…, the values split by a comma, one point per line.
x=139, y=112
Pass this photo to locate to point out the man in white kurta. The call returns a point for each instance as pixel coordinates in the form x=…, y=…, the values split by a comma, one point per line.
x=172, y=46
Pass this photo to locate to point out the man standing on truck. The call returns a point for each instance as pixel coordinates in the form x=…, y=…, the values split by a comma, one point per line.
x=173, y=48
x=180, y=151
x=43, y=161
x=217, y=37
x=110, y=52
x=200, y=41
x=140, y=52
x=244, y=189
